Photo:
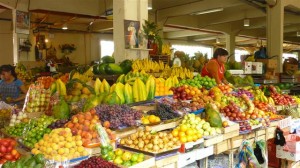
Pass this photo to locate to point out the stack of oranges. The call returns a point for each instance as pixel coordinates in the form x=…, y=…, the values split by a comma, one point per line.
x=161, y=88
x=186, y=134
x=46, y=81
x=150, y=119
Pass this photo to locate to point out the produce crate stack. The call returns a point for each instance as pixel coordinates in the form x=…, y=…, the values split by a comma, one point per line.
x=164, y=58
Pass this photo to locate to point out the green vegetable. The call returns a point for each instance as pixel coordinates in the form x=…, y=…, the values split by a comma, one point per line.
x=126, y=66
x=113, y=69
x=108, y=59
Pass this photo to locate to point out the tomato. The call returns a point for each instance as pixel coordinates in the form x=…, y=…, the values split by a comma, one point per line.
x=9, y=149
x=13, y=143
x=2, y=161
x=2, y=149
x=17, y=156
x=5, y=142
x=9, y=157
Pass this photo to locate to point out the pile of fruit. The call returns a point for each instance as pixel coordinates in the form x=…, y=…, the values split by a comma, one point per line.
x=37, y=161
x=163, y=86
x=185, y=92
x=96, y=162
x=58, y=124
x=36, y=130
x=199, y=82
x=83, y=124
x=283, y=99
x=152, y=142
x=18, y=118
x=77, y=92
x=17, y=130
x=4, y=116
x=148, y=65
x=150, y=119
x=60, y=145
x=45, y=81
x=164, y=112
x=180, y=72
x=118, y=115
x=37, y=99
x=8, y=151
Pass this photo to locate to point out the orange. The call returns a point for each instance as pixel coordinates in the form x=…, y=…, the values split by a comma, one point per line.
x=183, y=128
x=175, y=133
x=189, y=132
x=106, y=124
x=181, y=134
x=189, y=138
x=152, y=118
x=183, y=139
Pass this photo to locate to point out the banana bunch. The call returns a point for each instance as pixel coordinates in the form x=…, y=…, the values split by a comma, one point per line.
x=166, y=49
x=82, y=77
x=132, y=76
x=59, y=87
x=259, y=95
x=148, y=65
x=179, y=72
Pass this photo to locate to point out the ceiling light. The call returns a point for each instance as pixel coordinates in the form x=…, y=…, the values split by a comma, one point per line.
x=208, y=11
x=46, y=40
x=246, y=22
x=298, y=34
x=65, y=27
x=149, y=4
x=217, y=40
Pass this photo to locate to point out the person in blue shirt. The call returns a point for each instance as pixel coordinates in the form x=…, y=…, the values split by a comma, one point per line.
x=12, y=90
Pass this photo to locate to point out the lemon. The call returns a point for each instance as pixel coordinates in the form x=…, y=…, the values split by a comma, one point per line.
x=61, y=151
x=68, y=145
x=54, y=146
x=79, y=143
x=80, y=149
x=72, y=151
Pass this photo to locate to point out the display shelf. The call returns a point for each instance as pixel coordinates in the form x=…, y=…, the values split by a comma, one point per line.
x=139, y=49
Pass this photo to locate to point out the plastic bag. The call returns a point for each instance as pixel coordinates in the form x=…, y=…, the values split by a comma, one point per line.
x=246, y=157
x=260, y=153
x=37, y=99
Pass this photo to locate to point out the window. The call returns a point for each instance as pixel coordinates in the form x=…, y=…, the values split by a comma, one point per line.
x=287, y=55
x=107, y=47
x=239, y=53
x=192, y=49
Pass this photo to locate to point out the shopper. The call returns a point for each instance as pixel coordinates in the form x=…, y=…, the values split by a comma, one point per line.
x=215, y=67
x=12, y=90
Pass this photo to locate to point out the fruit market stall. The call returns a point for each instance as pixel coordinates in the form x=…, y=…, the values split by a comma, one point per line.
x=174, y=119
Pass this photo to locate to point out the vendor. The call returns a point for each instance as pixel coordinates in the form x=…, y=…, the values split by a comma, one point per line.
x=215, y=67
x=12, y=90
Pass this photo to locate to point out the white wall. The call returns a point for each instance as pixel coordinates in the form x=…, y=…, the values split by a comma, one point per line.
x=6, y=39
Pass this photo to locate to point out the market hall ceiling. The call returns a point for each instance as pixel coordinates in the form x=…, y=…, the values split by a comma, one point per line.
x=178, y=19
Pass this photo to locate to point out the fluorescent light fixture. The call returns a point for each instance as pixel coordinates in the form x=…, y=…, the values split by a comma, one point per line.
x=298, y=34
x=149, y=4
x=208, y=11
x=65, y=27
x=246, y=22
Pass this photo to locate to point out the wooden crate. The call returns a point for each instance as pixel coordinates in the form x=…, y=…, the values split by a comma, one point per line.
x=222, y=146
x=231, y=128
x=213, y=140
x=231, y=134
x=236, y=141
x=165, y=162
x=270, y=132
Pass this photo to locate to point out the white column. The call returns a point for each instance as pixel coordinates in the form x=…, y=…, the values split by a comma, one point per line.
x=15, y=38
x=230, y=44
x=275, y=16
x=135, y=10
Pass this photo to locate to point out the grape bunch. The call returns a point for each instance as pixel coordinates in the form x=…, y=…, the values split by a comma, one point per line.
x=118, y=115
x=240, y=92
x=164, y=112
x=95, y=162
x=58, y=124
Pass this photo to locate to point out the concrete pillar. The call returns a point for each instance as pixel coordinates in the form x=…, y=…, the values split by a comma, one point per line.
x=275, y=16
x=135, y=10
x=15, y=38
x=230, y=44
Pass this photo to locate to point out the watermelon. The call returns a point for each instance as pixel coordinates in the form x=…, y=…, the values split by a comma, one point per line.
x=126, y=66
x=108, y=59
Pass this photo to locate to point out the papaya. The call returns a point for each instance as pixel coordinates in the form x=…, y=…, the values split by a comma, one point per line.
x=128, y=93
x=213, y=116
x=150, y=88
x=61, y=110
x=108, y=59
x=120, y=91
x=113, y=69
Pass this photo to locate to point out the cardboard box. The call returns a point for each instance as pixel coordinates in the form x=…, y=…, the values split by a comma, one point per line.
x=257, y=67
x=269, y=63
x=248, y=68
